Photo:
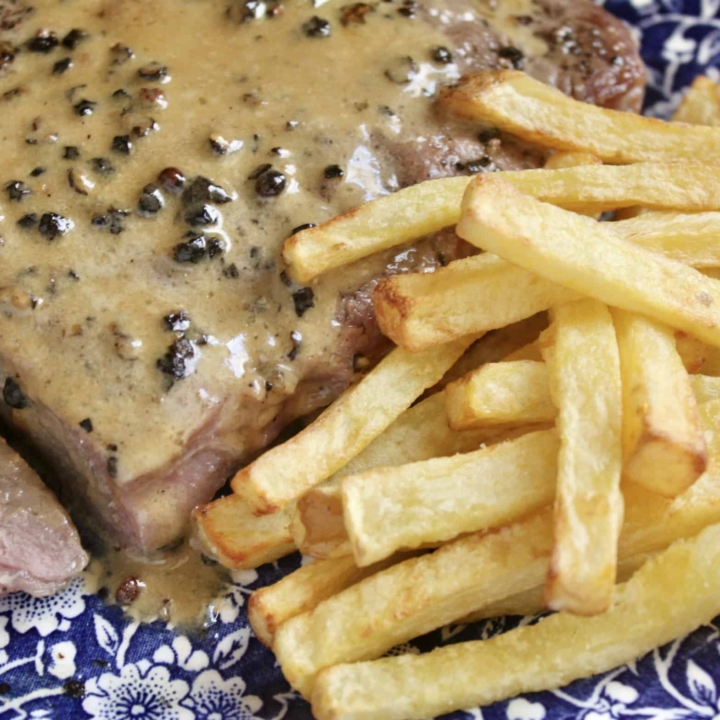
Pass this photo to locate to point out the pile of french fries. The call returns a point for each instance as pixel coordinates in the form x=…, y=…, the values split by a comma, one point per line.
x=566, y=453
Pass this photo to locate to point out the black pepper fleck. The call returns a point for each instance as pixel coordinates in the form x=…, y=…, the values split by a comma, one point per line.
x=154, y=71
x=333, y=171
x=4, y=688
x=74, y=38
x=17, y=190
x=296, y=339
x=201, y=215
x=231, y=271
x=71, y=152
x=151, y=201
x=300, y=228
x=355, y=14
x=514, y=55
x=216, y=246
x=192, y=251
x=38, y=171
x=44, y=42
x=408, y=9
x=85, y=107
x=28, y=221
x=62, y=66
x=51, y=225
x=483, y=164
x=259, y=170
x=74, y=689
x=13, y=395
x=304, y=299
x=203, y=190
x=86, y=425
x=485, y=136
x=122, y=144
x=102, y=166
x=442, y=55
x=317, y=27
x=121, y=54
x=175, y=361
x=270, y=184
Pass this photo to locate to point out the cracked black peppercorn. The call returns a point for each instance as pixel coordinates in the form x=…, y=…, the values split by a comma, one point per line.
x=442, y=55
x=192, y=251
x=306, y=226
x=304, y=299
x=154, y=71
x=44, y=42
x=122, y=144
x=296, y=339
x=151, y=201
x=485, y=136
x=317, y=27
x=74, y=688
x=178, y=321
x=514, y=55
x=17, y=190
x=175, y=361
x=85, y=107
x=62, y=66
x=201, y=215
x=333, y=171
x=71, y=152
x=51, y=225
x=13, y=395
x=259, y=170
x=86, y=425
x=203, y=190
x=28, y=221
x=231, y=271
x=408, y=8
x=7, y=54
x=216, y=246
x=483, y=164
x=270, y=184
x=355, y=14
x=172, y=180
x=102, y=166
x=74, y=38
x=38, y=171
x=4, y=688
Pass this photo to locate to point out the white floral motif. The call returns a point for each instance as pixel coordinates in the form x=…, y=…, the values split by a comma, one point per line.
x=612, y=703
x=228, y=607
x=62, y=665
x=4, y=639
x=140, y=692
x=45, y=614
x=522, y=709
x=213, y=698
x=182, y=654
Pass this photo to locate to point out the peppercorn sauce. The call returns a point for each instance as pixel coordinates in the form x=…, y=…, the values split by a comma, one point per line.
x=144, y=309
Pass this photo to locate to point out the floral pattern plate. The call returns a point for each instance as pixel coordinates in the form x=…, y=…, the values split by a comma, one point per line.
x=71, y=656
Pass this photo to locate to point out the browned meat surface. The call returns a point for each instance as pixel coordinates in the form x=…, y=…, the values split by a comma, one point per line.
x=150, y=337
x=39, y=547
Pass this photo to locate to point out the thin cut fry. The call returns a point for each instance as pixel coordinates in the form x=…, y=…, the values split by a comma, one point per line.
x=706, y=388
x=581, y=354
x=663, y=441
x=701, y=104
x=693, y=352
x=345, y=428
x=433, y=205
x=420, y=595
x=582, y=255
x=504, y=393
x=652, y=609
x=391, y=509
x=569, y=159
x=301, y=591
x=545, y=116
x=418, y=311
x=230, y=532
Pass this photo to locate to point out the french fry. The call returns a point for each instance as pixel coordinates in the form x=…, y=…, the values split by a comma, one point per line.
x=420, y=433
x=545, y=116
x=422, y=594
x=582, y=255
x=564, y=159
x=663, y=441
x=581, y=353
x=433, y=205
x=495, y=346
x=229, y=532
x=652, y=609
x=690, y=239
x=411, y=506
x=531, y=351
x=418, y=311
x=504, y=393
x=301, y=591
x=701, y=104
x=693, y=352
x=706, y=388
x=349, y=425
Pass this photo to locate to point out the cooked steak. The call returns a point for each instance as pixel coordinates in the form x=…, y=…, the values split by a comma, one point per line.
x=155, y=157
x=39, y=547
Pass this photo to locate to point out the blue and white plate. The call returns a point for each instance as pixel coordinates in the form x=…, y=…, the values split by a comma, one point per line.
x=71, y=656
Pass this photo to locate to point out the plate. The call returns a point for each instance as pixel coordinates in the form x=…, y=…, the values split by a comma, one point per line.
x=71, y=656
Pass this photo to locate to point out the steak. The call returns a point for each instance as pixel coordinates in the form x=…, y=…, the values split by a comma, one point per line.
x=155, y=158
x=39, y=547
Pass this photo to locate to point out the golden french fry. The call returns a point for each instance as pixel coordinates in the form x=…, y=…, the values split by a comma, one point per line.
x=420, y=433
x=581, y=353
x=706, y=388
x=343, y=430
x=693, y=352
x=701, y=104
x=433, y=205
x=542, y=115
x=568, y=159
x=663, y=441
x=230, y=532
x=301, y=591
x=693, y=239
x=417, y=311
x=582, y=255
x=420, y=595
x=495, y=346
x=505, y=393
x=653, y=608
x=429, y=502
